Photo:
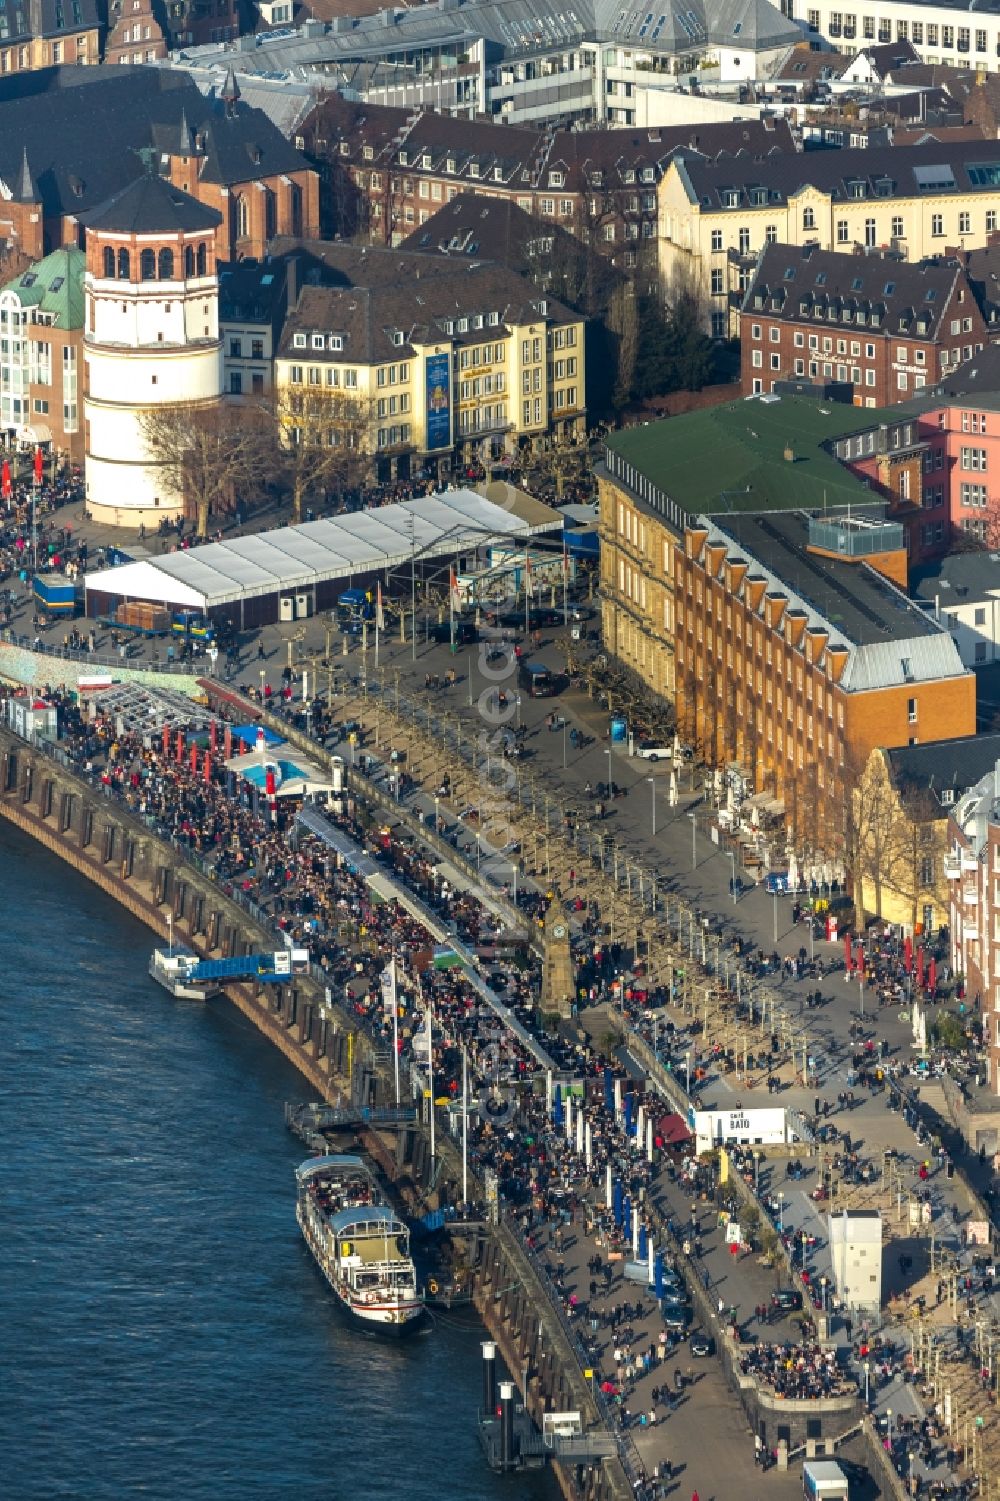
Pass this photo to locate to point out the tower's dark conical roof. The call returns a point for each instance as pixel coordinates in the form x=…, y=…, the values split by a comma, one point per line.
x=151, y=205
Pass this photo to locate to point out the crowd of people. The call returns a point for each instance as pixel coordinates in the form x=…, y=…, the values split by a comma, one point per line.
x=797, y=1371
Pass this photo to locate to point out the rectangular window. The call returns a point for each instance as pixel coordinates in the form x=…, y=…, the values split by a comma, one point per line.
x=937, y=224
x=974, y=458
x=842, y=232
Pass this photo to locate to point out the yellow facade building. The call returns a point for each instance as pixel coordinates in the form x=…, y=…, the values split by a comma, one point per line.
x=715, y=216
x=435, y=362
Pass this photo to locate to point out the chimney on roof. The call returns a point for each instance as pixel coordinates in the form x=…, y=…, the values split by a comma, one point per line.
x=789, y=454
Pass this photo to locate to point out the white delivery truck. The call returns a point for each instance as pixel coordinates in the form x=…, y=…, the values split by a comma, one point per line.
x=824, y=1480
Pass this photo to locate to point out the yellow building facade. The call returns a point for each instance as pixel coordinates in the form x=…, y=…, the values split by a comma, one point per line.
x=715, y=218
x=637, y=587
x=478, y=391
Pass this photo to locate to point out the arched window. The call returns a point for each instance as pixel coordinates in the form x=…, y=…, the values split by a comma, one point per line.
x=147, y=265
x=109, y=261
x=242, y=217
x=166, y=264
x=296, y=208
x=202, y=259
x=124, y=265
x=188, y=260
x=270, y=215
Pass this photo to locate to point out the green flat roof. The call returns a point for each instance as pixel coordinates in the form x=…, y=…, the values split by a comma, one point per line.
x=706, y=461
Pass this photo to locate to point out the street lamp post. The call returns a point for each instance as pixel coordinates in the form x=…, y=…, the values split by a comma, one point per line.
x=775, y=896
x=652, y=783
x=694, y=843
x=781, y=1212
x=867, y=1370
x=565, y=727
x=732, y=856
x=687, y=1063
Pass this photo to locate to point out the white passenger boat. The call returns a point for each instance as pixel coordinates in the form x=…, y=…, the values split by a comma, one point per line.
x=360, y=1244
x=172, y=967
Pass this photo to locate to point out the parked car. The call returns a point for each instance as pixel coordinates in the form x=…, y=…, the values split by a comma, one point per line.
x=465, y=632
x=676, y=1318
x=701, y=1344
x=654, y=750
x=788, y=1299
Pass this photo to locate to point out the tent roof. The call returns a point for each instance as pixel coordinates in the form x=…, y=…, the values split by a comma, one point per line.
x=294, y=557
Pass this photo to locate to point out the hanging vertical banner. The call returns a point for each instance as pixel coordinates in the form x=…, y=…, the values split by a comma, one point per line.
x=438, y=387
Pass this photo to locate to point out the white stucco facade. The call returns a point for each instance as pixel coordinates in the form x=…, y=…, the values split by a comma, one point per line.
x=146, y=344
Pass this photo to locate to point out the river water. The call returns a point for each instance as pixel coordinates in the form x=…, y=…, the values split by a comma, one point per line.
x=163, y=1331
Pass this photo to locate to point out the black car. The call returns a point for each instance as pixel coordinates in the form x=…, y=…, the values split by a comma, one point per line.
x=788, y=1299
x=701, y=1344
x=676, y=1317
x=465, y=633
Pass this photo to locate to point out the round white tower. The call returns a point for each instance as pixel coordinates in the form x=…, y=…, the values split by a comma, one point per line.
x=151, y=338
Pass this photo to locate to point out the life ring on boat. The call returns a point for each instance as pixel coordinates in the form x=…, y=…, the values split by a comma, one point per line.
x=432, y=1287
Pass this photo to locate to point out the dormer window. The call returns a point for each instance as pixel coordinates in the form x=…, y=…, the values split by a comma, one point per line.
x=397, y=337
x=649, y=174
x=425, y=161
x=597, y=178
x=556, y=179
x=473, y=169
x=336, y=341
x=368, y=153
x=298, y=341
x=630, y=174
x=345, y=148
x=463, y=325
x=494, y=319
x=404, y=158
x=449, y=165
x=498, y=174
x=318, y=341
x=477, y=321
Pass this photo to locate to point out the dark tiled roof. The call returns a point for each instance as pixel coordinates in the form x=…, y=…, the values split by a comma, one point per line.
x=800, y=283
x=885, y=57
x=962, y=576
x=524, y=156
x=385, y=294
x=978, y=377
x=472, y=226
x=886, y=172
x=149, y=205
x=945, y=765
x=83, y=142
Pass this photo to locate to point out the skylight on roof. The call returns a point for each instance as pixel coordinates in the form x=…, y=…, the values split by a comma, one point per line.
x=857, y=284
x=888, y=289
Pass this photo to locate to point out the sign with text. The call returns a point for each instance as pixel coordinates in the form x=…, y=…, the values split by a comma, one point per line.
x=716, y=1127
x=438, y=388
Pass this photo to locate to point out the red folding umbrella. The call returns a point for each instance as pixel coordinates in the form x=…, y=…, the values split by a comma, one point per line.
x=38, y=464
x=227, y=743
x=932, y=976
x=848, y=953
x=859, y=958
x=920, y=966
x=194, y=756
x=908, y=955
x=6, y=487
x=166, y=740
x=207, y=767
x=213, y=734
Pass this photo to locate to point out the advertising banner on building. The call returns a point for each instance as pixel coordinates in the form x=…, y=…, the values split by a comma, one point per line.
x=714, y=1128
x=438, y=375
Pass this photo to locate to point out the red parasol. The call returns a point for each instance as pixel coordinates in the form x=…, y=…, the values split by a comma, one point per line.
x=179, y=747
x=5, y=484
x=38, y=464
x=908, y=955
x=848, y=953
x=227, y=743
x=194, y=756
x=859, y=957
x=166, y=740
x=932, y=976
x=207, y=768
x=920, y=966
x=213, y=734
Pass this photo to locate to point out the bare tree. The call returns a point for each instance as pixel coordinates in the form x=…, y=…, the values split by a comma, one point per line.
x=323, y=439
x=208, y=452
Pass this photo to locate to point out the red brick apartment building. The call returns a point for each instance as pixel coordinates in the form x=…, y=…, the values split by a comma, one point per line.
x=886, y=327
